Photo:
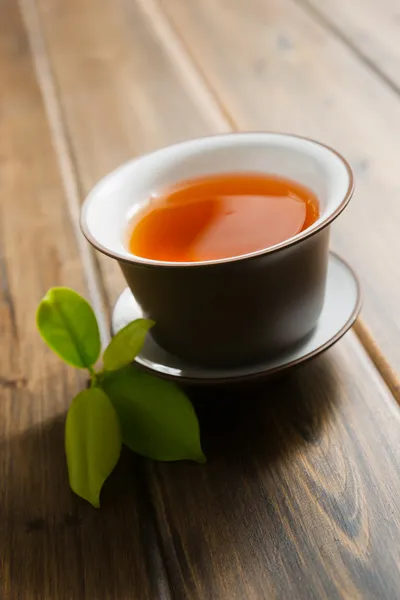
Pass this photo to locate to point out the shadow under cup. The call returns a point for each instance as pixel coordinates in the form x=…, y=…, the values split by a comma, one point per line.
x=241, y=309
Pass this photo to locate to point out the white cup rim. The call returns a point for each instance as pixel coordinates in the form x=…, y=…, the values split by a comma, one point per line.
x=344, y=196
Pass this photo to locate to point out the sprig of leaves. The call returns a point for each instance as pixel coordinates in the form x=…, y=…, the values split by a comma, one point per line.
x=151, y=416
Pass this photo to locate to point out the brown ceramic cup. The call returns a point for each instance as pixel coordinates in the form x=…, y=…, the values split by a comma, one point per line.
x=236, y=310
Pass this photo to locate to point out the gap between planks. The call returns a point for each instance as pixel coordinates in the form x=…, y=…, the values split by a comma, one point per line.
x=334, y=30
x=205, y=96
x=66, y=162
x=73, y=192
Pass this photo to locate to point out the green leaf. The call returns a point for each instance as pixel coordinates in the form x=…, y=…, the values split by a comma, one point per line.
x=92, y=443
x=126, y=345
x=157, y=419
x=68, y=325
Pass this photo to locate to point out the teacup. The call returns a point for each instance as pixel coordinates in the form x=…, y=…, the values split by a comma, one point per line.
x=239, y=309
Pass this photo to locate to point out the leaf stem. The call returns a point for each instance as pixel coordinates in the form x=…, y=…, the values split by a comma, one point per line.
x=93, y=377
x=96, y=377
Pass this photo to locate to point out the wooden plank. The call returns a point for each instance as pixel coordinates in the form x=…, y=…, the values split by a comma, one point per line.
x=369, y=27
x=119, y=94
x=299, y=498
x=52, y=544
x=294, y=500
x=274, y=67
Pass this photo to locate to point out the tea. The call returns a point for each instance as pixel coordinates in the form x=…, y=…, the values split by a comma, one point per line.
x=222, y=216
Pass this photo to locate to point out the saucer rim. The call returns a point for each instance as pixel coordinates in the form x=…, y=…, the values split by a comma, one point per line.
x=266, y=373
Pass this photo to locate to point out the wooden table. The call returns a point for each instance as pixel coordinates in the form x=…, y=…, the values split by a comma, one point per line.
x=300, y=498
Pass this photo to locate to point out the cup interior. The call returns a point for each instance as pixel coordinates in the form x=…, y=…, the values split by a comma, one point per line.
x=116, y=199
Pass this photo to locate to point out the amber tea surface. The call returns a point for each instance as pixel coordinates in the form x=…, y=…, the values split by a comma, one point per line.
x=222, y=216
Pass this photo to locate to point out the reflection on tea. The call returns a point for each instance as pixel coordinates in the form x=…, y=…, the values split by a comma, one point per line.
x=222, y=216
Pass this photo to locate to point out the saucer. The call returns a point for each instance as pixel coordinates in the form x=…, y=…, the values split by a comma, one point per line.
x=341, y=308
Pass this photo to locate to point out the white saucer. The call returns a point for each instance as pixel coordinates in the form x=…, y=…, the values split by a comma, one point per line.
x=341, y=308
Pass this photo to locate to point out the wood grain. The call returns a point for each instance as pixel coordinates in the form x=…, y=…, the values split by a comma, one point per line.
x=119, y=95
x=52, y=545
x=369, y=28
x=273, y=66
x=299, y=498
